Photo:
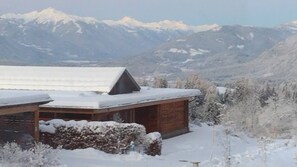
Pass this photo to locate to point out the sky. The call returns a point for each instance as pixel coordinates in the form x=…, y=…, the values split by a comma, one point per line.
x=264, y=13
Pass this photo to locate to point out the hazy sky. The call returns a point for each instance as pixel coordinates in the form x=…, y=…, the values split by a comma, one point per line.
x=245, y=12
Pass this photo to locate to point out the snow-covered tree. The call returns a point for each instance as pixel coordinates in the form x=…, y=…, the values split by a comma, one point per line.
x=268, y=110
x=212, y=107
x=160, y=82
x=194, y=81
x=178, y=83
x=208, y=106
x=143, y=82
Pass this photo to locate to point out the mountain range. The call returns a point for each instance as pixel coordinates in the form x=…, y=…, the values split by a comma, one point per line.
x=171, y=48
x=214, y=54
x=50, y=36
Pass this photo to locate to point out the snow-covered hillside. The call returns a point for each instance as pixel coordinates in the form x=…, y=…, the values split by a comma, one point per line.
x=216, y=55
x=291, y=26
x=208, y=145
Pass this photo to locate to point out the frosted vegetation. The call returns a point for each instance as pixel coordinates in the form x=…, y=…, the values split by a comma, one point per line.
x=260, y=109
x=12, y=155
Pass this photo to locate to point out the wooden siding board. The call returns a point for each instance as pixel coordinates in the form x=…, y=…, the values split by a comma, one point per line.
x=186, y=116
x=36, y=125
x=12, y=129
x=17, y=109
x=147, y=116
x=172, y=116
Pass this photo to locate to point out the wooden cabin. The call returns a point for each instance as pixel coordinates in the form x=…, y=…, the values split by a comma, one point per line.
x=102, y=94
x=19, y=115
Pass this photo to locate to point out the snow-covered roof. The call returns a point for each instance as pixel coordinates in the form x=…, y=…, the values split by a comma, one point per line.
x=8, y=98
x=92, y=100
x=97, y=79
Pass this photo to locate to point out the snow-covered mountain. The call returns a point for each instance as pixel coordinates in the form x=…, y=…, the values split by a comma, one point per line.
x=167, y=47
x=290, y=26
x=161, y=26
x=63, y=38
x=217, y=55
x=48, y=15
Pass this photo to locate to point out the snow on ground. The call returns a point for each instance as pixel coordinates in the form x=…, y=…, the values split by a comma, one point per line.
x=252, y=35
x=240, y=46
x=221, y=90
x=205, y=144
x=187, y=61
x=194, y=52
x=240, y=37
x=175, y=50
x=181, y=40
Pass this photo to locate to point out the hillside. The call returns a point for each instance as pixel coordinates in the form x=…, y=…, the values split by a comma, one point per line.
x=278, y=62
x=216, y=54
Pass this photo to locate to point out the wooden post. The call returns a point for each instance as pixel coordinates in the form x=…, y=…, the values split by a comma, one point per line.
x=132, y=116
x=195, y=164
x=158, y=118
x=36, y=125
x=186, y=114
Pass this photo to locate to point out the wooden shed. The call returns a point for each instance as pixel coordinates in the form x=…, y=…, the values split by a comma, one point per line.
x=102, y=94
x=19, y=115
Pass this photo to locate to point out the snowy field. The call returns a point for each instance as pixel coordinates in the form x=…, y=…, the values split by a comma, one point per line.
x=208, y=145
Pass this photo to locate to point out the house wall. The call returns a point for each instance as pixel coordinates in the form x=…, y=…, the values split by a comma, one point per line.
x=173, y=118
x=170, y=118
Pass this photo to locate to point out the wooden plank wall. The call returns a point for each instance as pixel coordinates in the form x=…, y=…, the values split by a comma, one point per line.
x=173, y=116
x=147, y=116
x=170, y=119
x=14, y=126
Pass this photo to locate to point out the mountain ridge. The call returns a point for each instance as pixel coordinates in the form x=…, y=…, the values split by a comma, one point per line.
x=51, y=15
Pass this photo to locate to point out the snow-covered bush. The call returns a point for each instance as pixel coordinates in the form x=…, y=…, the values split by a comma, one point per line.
x=12, y=154
x=110, y=137
x=153, y=144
